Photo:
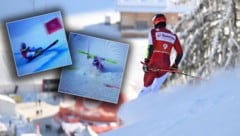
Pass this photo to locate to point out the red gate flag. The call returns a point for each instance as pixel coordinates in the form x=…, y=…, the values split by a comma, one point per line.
x=53, y=25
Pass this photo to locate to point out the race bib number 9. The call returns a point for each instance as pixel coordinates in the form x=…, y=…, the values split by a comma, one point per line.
x=165, y=46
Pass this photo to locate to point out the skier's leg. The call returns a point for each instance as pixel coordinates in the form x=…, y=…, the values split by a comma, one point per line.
x=158, y=82
x=38, y=50
x=148, y=80
x=30, y=54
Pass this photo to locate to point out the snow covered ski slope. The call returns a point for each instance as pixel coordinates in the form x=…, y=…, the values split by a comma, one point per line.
x=208, y=109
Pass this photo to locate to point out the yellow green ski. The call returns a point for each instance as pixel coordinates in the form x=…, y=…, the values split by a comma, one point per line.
x=89, y=55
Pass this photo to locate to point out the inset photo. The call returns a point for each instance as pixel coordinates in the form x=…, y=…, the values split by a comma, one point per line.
x=39, y=43
x=97, y=70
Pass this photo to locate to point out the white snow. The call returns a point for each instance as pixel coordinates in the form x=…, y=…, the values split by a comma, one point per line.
x=210, y=108
x=156, y=6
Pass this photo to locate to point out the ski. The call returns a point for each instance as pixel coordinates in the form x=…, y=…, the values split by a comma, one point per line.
x=92, y=56
x=49, y=46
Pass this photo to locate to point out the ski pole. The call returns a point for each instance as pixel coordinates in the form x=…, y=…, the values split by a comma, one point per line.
x=173, y=71
x=183, y=73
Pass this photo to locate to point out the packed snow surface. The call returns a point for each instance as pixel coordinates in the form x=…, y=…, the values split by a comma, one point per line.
x=210, y=108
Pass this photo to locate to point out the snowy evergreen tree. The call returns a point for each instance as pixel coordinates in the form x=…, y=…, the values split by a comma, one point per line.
x=210, y=38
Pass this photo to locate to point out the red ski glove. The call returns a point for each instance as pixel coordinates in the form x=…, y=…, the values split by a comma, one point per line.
x=174, y=67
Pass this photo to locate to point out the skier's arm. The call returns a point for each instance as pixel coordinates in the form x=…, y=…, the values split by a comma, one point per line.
x=150, y=46
x=179, y=51
x=31, y=49
x=149, y=51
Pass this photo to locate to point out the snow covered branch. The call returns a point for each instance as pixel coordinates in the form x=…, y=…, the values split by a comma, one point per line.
x=210, y=38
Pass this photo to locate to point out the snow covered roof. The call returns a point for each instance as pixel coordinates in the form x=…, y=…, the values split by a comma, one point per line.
x=155, y=6
x=6, y=98
x=8, y=104
x=3, y=127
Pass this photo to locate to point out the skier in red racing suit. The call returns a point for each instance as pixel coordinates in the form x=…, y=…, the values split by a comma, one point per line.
x=29, y=52
x=161, y=41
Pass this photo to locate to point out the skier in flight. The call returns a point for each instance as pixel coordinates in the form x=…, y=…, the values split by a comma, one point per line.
x=97, y=62
x=161, y=40
x=29, y=52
